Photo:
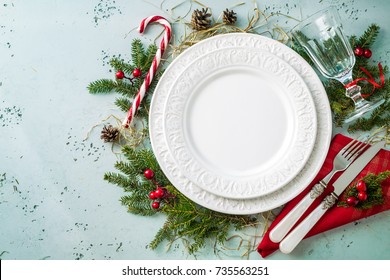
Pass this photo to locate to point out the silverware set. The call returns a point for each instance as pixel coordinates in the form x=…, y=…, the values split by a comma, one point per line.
x=351, y=159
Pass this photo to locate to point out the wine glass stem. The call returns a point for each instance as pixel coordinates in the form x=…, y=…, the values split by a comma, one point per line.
x=354, y=93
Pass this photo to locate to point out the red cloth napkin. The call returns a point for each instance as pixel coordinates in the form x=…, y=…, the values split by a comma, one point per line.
x=336, y=216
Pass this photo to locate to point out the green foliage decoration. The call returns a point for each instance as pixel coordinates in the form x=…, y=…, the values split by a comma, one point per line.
x=184, y=219
x=142, y=59
x=374, y=191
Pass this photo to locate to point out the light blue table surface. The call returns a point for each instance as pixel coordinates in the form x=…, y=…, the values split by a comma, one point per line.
x=54, y=203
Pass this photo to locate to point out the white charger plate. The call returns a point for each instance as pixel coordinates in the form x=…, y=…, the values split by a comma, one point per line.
x=239, y=122
x=229, y=205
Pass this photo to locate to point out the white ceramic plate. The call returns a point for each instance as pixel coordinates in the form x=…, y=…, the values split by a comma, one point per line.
x=229, y=205
x=239, y=122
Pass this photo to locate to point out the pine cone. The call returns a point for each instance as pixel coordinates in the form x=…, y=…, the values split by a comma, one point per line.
x=229, y=17
x=200, y=19
x=109, y=133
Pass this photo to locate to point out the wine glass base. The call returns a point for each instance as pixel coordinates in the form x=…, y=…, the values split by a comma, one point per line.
x=368, y=106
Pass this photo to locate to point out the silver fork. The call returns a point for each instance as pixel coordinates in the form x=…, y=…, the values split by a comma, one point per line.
x=341, y=162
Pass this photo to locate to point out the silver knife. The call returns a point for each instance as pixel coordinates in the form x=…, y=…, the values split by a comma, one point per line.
x=295, y=236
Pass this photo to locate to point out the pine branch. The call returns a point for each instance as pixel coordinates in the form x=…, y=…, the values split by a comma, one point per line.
x=126, y=168
x=126, y=89
x=352, y=41
x=164, y=233
x=123, y=103
x=374, y=191
x=379, y=117
x=119, y=64
x=137, y=52
x=120, y=180
x=142, y=159
x=196, y=224
x=137, y=205
x=149, y=56
x=102, y=86
x=368, y=37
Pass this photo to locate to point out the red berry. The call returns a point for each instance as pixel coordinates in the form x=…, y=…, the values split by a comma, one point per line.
x=152, y=195
x=137, y=72
x=352, y=201
x=149, y=174
x=359, y=51
x=361, y=186
x=160, y=193
x=120, y=75
x=367, y=53
x=156, y=205
x=362, y=196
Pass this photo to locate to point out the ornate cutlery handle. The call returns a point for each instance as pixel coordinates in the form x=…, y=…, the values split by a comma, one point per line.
x=284, y=226
x=292, y=240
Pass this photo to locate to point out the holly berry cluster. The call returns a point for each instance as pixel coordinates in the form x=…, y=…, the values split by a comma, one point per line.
x=361, y=188
x=160, y=194
x=359, y=51
x=365, y=193
x=121, y=75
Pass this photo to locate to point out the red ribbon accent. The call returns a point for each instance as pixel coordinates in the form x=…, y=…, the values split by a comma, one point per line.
x=370, y=79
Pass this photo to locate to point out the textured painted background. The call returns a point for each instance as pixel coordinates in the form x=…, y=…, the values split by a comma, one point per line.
x=54, y=203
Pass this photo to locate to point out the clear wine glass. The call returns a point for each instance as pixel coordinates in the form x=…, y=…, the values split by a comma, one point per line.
x=322, y=38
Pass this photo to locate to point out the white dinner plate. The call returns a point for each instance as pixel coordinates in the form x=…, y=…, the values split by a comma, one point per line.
x=197, y=193
x=239, y=122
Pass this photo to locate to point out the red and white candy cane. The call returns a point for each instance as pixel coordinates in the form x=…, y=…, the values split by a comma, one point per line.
x=149, y=76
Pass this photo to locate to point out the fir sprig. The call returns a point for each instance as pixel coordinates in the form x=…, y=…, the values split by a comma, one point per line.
x=368, y=38
x=185, y=219
x=196, y=224
x=120, y=180
x=138, y=52
x=132, y=181
x=123, y=103
x=379, y=117
x=374, y=191
x=119, y=64
x=148, y=58
x=102, y=86
x=142, y=59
